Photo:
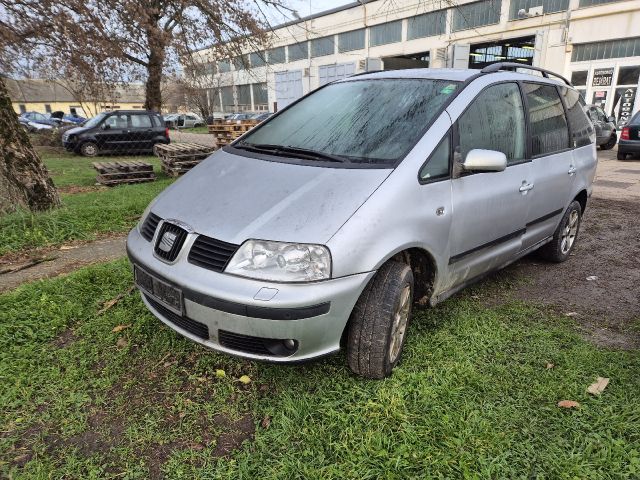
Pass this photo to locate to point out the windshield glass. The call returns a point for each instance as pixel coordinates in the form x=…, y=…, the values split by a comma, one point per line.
x=371, y=121
x=95, y=120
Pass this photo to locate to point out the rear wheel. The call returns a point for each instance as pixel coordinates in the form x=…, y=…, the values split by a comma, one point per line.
x=611, y=143
x=89, y=149
x=565, y=236
x=379, y=322
x=622, y=156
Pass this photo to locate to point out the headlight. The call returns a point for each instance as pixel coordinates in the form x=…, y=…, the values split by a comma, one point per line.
x=281, y=262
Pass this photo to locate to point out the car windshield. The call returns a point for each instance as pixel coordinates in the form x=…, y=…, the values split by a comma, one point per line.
x=371, y=121
x=93, y=122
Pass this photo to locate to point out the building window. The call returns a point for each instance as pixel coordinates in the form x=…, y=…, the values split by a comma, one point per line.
x=298, y=51
x=260, y=96
x=241, y=62
x=589, y=3
x=224, y=66
x=427, y=25
x=23, y=108
x=47, y=108
x=385, y=33
x=244, y=97
x=276, y=55
x=257, y=59
x=322, y=46
x=548, y=6
x=579, y=78
x=628, y=75
x=627, y=47
x=228, y=105
x=353, y=40
x=476, y=14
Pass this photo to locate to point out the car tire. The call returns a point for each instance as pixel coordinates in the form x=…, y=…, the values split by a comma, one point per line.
x=379, y=321
x=621, y=156
x=610, y=143
x=89, y=149
x=565, y=236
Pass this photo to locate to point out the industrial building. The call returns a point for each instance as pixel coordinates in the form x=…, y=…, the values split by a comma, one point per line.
x=595, y=43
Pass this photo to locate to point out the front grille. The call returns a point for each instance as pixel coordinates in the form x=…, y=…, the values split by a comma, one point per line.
x=198, y=329
x=170, y=241
x=257, y=345
x=211, y=254
x=149, y=226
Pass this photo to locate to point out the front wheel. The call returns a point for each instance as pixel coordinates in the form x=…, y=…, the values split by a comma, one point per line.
x=379, y=322
x=89, y=149
x=610, y=143
x=565, y=236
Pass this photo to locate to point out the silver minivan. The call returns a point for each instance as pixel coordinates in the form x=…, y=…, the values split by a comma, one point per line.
x=322, y=227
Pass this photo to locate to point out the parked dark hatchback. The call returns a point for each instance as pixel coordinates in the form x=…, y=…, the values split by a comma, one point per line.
x=129, y=131
x=629, y=143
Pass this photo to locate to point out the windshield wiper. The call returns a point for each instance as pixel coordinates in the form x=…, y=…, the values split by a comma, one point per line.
x=285, y=150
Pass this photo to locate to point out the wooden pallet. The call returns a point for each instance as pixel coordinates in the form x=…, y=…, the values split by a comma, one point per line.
x=226, y=132
x=115, y=173
x=179, y=158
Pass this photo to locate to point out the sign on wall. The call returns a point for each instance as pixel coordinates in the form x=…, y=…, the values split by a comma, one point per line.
x=602, y=77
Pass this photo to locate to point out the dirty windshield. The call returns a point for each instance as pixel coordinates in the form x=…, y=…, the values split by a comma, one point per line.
x=367, y=121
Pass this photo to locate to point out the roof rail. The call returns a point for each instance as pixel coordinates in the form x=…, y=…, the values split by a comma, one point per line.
x=496, y=67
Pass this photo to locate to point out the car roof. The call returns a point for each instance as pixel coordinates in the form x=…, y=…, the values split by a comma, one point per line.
x=453, y=74
x=148, y=112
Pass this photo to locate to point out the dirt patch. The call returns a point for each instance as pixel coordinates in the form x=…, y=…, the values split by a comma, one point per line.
x=65, y=339
x=73, y=189
x=599, y=286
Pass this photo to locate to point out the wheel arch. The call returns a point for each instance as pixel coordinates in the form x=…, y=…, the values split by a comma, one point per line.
x=582, y=198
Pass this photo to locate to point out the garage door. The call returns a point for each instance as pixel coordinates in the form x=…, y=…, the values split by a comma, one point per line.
x=329, y=73
x=288, y=87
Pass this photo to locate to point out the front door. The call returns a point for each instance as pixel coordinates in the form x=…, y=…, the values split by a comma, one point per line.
x=113, y=132
x=489, y=208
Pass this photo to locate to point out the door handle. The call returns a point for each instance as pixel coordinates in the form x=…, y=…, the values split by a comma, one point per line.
x=572, y=170
x=525, y=187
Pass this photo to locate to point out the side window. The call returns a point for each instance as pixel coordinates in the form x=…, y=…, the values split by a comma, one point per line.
x=581, y=128
x=495, y=121
x=156, y=121
x=549, y=129
x=140, y=121
x=437, y=166
x=116, y=121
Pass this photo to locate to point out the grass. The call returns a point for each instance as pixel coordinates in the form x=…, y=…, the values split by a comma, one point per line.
x=203, y=129
x=472, y=398
x=83, y=216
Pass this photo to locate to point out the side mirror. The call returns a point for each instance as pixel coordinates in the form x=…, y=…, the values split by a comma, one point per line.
x=611, y=119
x=106, y=126
x=478, y=160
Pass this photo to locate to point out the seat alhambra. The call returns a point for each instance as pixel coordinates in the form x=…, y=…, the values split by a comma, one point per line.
x=325, y=225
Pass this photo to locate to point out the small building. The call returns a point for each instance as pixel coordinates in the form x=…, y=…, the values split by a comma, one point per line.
x=595, y=43
x=46, y=96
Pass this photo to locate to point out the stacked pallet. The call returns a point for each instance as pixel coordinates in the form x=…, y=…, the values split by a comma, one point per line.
x=115, y=173
x=179, y=158
x=228, y=131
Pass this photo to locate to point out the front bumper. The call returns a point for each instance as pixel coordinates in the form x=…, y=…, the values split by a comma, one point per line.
x=313, y=314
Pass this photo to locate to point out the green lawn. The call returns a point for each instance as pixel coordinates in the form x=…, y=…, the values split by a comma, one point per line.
x=204, y=129
x=82, y=216
x=472, y=398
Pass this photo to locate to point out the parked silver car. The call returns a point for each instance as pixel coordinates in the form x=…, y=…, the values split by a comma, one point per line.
x=323, y=226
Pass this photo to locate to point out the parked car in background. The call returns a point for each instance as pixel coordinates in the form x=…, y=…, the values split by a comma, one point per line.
x=261, y=117
x=184, y=120
x=123, y=131
x=452, y=174
x=39, y=118
x=239, y=116
x=629, y=143
x=605, y=126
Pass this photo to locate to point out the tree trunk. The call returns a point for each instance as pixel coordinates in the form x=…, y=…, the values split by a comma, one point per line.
x=153, y=92
x=24, y=180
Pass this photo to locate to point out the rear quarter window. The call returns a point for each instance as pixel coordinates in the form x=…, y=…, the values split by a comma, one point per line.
x=582, y=131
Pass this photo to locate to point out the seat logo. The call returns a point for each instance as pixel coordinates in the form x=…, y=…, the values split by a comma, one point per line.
x=167, y=241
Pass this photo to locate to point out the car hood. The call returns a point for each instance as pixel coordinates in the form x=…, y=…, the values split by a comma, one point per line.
x=234, y=198
x=75, y=131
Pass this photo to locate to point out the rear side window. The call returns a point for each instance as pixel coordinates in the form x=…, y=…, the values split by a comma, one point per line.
x=495, y=121
x=549, y=129
x=140, y=121
x=156, y=121
x=581, y=128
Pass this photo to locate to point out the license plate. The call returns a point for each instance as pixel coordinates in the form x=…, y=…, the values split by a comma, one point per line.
x=162, y=292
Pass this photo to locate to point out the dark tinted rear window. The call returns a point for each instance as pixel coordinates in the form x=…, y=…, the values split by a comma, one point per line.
x=549, y=129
